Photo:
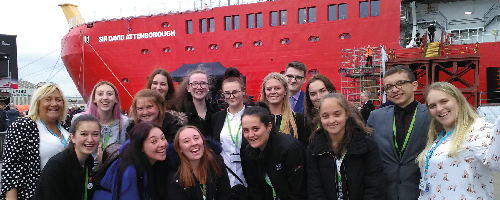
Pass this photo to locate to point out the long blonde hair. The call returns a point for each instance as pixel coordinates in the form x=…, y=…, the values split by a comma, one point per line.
x=466, y=116
x=286, y=110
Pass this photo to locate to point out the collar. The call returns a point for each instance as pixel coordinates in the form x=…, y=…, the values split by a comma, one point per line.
x=410, y=108
x=321, y=145
x=296, y=96
x=237, y=115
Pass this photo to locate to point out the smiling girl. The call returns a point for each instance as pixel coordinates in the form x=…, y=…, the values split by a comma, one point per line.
x=161, y=81
x=66, y=175
x=462, y=148
x=343, y=161
x=104, y=104
x=317, y=86
x=136, y=174
x=274, y=92
x=192, y=99
x=275, y=161
x=201, y=174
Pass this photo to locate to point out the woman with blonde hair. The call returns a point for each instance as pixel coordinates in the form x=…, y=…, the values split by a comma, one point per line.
x=461, y=148
x=274, y=92
x=31, y=141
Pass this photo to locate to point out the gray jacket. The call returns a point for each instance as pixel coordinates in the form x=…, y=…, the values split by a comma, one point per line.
x=403, y=174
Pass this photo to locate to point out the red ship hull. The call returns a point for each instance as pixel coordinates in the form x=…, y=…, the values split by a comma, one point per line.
x=124, y=63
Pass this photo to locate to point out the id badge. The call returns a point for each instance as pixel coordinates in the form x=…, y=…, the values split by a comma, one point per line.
x=235, y=157
x=424, y=185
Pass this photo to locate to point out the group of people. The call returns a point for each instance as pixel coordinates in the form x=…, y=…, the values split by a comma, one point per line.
x=176, y=144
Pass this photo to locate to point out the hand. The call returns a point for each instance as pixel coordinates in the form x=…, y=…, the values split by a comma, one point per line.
x=99, y=152
x=11, y=194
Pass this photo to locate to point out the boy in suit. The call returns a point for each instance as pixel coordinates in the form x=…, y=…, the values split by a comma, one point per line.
x=295, y=73
x=401, y=147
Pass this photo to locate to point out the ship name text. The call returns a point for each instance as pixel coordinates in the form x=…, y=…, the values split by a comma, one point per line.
x=137, y=36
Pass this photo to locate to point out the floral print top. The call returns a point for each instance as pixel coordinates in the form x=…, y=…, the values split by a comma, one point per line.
x=469, y=174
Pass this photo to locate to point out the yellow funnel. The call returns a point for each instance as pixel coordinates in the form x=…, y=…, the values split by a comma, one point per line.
x=70, y=11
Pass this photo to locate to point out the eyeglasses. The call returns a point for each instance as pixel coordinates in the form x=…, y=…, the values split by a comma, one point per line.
x=228, y=94
x=399, y=84
x=201, y=84
x=298, y=78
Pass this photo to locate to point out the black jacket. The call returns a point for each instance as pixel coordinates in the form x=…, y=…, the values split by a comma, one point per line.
x=304, y=130
x=283, y=160
x=202, y=124
x=216, y=187
x=366, y=109
x=362, y=169
x=63, y=178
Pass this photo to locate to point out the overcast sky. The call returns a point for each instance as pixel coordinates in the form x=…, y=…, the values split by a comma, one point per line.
x=40, y=25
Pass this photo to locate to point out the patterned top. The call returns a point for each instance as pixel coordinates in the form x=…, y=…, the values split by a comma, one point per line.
x=467, y=175
x=21, y=159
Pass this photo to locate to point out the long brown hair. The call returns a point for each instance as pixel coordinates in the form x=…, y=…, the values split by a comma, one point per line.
x=311, y=112
x=207, y=162
x=353, y=124
x=171, y=90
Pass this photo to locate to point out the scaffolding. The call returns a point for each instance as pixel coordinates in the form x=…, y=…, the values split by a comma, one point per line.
x=357, y=75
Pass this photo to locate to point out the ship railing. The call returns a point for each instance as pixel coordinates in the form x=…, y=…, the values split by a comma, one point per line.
x=490, y=15
x=75, y=21
x=173, y=7
x=472, y=35
x=432, y=17
x=489, y=98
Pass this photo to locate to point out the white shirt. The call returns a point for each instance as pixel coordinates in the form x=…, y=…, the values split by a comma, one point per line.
x=467, y=175
x=229, y=148
x=50, y=145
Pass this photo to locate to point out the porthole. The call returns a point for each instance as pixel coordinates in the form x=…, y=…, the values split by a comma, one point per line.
x=125, y=80
x=285, y=41
x=257, y=43
x=238, y=45
x=145, y=51
x=166, y=49
x=165, y=24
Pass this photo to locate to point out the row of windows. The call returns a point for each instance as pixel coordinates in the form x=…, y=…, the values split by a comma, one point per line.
x=279, y=18
x=257, y=43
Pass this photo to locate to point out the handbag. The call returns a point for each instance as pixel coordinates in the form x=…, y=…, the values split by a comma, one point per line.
x=238, y=191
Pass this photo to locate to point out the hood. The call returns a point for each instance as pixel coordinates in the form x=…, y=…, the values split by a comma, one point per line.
x=174, y=160
x=180, y=118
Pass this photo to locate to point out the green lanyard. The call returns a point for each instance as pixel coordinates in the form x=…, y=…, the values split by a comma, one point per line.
x=270, y=184
x=319, y=125
x=281, y=124
x=105, y=142
x=407, y=134
x=237, y=133
x=86, y=183
x=203, y=190
x=339, y=180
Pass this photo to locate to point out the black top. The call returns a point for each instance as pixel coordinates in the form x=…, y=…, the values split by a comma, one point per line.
x=403, y=117
x=366, y=109
x=283, y=160
x=202, y=124
x=63, y=178
x=361, y=171
x=304, y=131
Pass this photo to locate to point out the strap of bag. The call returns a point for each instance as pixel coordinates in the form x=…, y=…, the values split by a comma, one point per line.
x=234, y=174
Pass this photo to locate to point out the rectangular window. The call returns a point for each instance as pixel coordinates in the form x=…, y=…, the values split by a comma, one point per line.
x=332, y=12
x=283, y=17
x=211, y=25
x=250, y=21
x=236, y=22
x=259, y=20
x=274, y=18
x=189, y=26
x=342, y=11
x=363, y=9
x=302, y=15
x=203, y=25
x=312, y=14
x=227, y=22
x=375, y=8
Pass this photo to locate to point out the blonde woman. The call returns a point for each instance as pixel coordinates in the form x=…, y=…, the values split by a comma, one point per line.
x=274, y=92
x=461, y=148
x=31, y=141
